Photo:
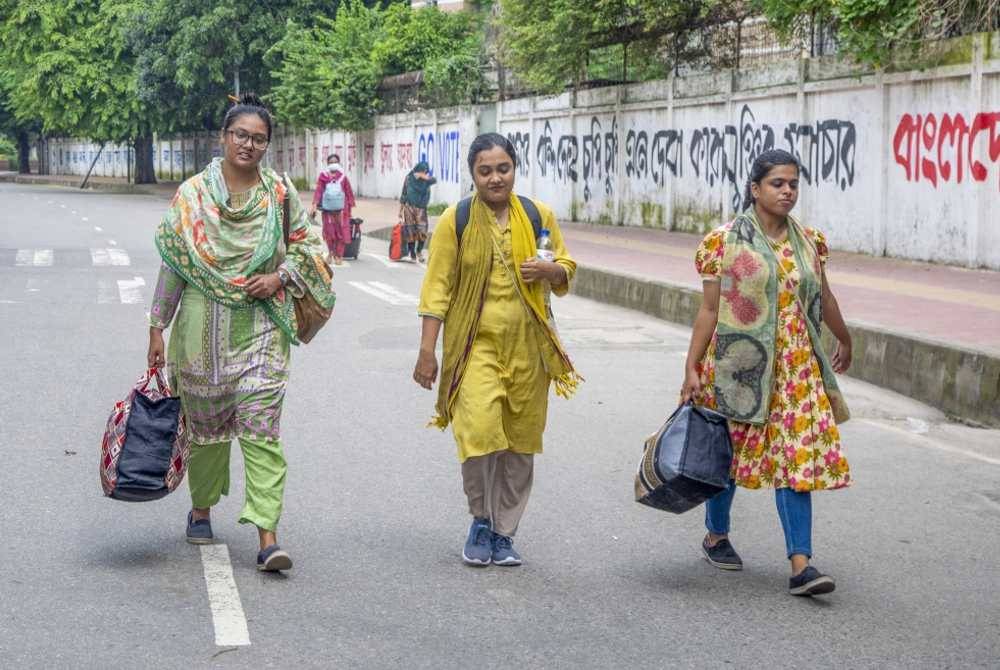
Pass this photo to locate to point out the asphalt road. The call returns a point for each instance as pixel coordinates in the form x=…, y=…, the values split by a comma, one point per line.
x=375, y=515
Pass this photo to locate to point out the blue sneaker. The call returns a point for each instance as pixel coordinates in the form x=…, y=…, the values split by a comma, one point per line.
x=200, y=531
x=504, y=552
x=273, y=559
x=478, y=548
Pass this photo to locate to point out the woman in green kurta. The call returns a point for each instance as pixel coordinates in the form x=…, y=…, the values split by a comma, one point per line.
x=227, y=282
x=485, y=283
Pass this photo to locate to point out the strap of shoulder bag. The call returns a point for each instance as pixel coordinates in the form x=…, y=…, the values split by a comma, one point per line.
x=285, y=211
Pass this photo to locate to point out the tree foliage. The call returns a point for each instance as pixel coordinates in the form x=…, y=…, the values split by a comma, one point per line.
x=190, y=52
x=551, y=44
x=65, y=65
x=875, y=31
x=328, y=75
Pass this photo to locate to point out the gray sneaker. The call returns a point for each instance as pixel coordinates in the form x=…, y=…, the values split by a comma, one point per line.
x=200, y=531
x=478, y=548
x=722, y=555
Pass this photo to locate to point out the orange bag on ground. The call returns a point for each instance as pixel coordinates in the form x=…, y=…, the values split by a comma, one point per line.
x=396, y=243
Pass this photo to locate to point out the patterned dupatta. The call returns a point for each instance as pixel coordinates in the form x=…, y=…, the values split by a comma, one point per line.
x=748, y=312
x=217, y=248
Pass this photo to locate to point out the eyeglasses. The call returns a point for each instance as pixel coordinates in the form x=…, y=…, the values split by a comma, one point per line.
x=241, y=137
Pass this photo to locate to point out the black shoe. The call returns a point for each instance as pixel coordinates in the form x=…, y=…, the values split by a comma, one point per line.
x=722, y=555
x=810, y=582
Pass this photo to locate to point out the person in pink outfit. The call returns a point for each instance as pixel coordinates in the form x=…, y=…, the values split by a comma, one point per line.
x=335, y=198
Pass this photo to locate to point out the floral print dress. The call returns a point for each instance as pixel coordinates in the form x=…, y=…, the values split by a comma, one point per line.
x=799, y=446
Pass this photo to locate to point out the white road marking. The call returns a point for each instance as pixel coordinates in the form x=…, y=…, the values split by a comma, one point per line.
x=228, y=617
x=84, y=218
x=130, y=290
x=98, y=229
x=62, y=205
x=107, y=292
x=73, y=211
x=10, y=302
x=32, y=286
x=34, y=257
x=112, y=243
x=393, y=291
x=104, y=257
x=926, y=441
x=393, y=298
x=385, y=261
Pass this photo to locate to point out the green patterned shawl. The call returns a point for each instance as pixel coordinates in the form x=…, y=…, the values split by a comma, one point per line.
x=748, y=312
x=217, y=248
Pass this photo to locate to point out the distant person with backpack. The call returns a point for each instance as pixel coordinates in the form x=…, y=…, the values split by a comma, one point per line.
x=335, y=198
x=487, y=282
x=413, y=209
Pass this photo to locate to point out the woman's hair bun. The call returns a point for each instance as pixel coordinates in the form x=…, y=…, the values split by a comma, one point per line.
x=251, y=99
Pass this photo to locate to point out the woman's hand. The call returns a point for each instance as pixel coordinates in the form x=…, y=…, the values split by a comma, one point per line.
x=426, y=370
x=312, y=211
x=842, y=357
x=154, y=356
x=263, y=286
x=533, y=270
x=692, y=385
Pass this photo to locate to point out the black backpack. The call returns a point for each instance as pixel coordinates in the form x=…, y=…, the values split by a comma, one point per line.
x=465, y=205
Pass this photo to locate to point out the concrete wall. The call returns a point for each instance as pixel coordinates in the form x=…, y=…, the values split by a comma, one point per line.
x=904, y=164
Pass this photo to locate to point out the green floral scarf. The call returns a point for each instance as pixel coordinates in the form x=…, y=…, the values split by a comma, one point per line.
x=748, y=312
x=217, y=248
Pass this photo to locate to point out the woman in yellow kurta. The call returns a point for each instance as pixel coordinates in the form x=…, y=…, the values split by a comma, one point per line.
x=485, y=283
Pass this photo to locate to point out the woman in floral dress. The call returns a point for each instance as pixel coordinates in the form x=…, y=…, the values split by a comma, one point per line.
x=755, y=356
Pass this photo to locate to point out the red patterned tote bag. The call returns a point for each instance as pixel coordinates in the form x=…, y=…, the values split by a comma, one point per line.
x=145, y=448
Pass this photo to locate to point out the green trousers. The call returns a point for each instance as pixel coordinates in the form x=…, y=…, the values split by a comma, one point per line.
x=264, y=467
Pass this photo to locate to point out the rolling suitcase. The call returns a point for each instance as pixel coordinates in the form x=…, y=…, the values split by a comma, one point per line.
x=353, y=247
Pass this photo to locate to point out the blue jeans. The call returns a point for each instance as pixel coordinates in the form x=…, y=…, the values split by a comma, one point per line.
x=794, y=510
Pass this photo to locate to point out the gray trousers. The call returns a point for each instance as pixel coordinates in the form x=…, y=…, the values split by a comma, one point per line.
x=497, y=486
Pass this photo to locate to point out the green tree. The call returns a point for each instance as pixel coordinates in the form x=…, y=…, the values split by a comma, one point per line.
x=550, y=44
x=193, y=54
x=879, y=31
x=446, y=46
x=67, y=66
x=324, y=74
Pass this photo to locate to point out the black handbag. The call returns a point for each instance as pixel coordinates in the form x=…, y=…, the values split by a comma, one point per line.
x=145, y=448
x=686, y=462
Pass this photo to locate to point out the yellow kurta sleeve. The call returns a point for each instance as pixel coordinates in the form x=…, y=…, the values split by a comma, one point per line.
x=439, y=280
x=558, y=246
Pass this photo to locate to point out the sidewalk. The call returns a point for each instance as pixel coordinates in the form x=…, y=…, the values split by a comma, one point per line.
x=931, y=332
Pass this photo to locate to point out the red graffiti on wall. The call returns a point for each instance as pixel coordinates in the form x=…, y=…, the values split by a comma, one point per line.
x=369, y=157
x=302, y=155
x=937, y=149
x=386, y=158
x=404, y=155
x=326, y=151
x=338, y=149
x=351, y=156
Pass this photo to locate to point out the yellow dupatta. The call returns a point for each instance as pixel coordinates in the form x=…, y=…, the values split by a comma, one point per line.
x=474, y=264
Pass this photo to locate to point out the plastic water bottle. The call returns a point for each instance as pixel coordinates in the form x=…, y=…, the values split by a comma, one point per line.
x=544, y=245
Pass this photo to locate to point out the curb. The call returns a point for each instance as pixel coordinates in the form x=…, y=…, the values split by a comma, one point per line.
x=961, y=382
x=36, y=180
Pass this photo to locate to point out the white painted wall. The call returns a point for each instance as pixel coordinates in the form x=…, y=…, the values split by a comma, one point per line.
x=904, y=164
